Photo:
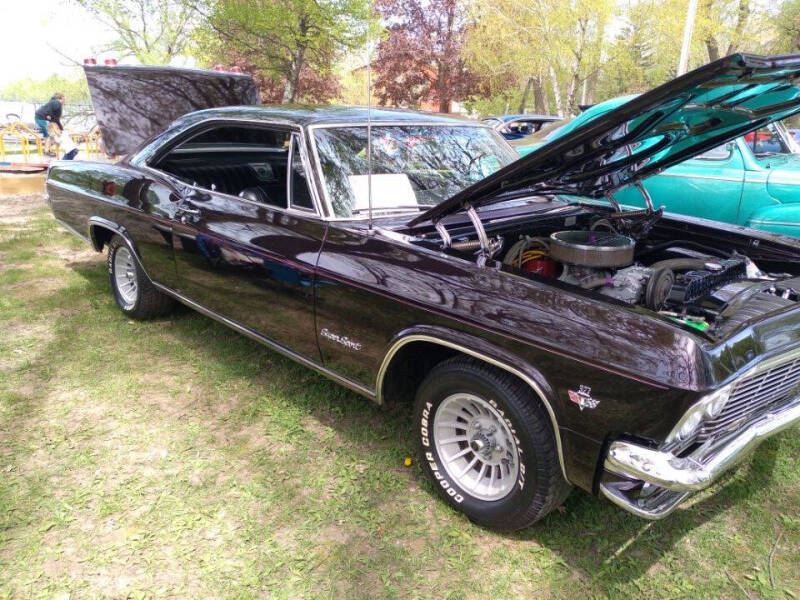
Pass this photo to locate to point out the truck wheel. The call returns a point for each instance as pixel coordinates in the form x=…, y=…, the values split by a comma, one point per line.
x=487, y=444
x=133, y=290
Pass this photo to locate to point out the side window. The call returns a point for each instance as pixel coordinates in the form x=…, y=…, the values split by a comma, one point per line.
x=718, y=153
x=299, y=188
x=249, y=162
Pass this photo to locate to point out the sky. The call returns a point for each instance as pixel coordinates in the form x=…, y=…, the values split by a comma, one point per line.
x=33, y=28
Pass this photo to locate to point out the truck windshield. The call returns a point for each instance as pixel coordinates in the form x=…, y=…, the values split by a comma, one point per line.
x=414, y=167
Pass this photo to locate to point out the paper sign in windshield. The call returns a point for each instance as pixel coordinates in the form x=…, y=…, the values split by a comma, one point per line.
x=389, y=190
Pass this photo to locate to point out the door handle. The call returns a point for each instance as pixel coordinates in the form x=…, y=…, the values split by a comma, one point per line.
x=186, y=212
x=187, y=209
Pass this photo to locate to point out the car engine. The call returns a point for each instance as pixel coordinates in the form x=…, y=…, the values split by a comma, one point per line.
x=705, y=292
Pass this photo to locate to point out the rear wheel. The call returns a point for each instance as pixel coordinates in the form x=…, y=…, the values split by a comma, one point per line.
x=487, y=444
x=134, y=292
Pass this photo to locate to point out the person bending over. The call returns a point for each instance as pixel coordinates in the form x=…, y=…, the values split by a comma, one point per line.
x=50, y=113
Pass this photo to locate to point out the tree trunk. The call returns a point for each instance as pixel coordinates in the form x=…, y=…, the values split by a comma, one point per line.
x=540, y=104
x=556, y=92
x=712, y=47
x=742, y=14
x=575, y=80
x=442, y=84
x=591, y=86
x=523, y=105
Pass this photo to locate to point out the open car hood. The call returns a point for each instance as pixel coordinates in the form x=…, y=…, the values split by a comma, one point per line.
x=669, y=124
x=132, y=104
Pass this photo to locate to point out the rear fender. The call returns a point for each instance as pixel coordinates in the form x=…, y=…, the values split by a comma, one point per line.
x=99, y=224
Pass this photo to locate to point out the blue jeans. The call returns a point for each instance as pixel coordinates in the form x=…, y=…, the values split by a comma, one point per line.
x=42, y=124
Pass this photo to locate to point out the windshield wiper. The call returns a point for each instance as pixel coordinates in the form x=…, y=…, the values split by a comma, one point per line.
x=418, y=207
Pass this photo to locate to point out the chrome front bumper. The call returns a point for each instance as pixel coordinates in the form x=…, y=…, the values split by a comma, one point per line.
x=677, y=477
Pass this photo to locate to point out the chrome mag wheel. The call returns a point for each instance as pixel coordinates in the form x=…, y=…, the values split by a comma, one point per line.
x=476, y=446
x=125, y=276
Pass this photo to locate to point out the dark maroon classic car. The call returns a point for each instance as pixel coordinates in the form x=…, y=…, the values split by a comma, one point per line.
x=548, y=337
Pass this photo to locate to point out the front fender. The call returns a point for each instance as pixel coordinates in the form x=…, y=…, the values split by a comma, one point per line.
x=782, y=219
x=487, y=352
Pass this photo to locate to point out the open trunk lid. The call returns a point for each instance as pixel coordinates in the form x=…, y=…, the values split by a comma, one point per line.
x=133, y=103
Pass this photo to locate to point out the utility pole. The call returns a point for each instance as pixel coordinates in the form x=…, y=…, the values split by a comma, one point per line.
x=683, y=63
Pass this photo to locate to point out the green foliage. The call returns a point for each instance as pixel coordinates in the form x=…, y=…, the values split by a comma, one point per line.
x=289, y=43
x=552, y=48
x=39, y=91
x=628, y=48
x=152, y=31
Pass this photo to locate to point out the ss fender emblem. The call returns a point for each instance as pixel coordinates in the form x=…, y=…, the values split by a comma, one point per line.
x=583, y=397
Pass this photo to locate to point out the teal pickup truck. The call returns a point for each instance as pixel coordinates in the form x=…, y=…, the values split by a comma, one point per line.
x=752, y=181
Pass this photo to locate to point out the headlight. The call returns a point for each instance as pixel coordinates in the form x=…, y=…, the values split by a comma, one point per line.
x=690, y=425
x=709, y=407
x=716, y=401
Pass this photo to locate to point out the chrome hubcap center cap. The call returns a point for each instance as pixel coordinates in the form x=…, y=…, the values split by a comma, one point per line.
x=476, y=445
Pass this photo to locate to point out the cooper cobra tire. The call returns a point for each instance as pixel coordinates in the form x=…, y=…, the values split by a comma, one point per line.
x=486, y=442
x=134, y=292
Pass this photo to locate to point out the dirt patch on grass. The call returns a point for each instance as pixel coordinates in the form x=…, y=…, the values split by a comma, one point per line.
x=24, y=340
x=16, y=208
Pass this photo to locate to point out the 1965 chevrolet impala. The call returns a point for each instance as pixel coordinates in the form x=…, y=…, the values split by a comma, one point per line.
x=544, y=343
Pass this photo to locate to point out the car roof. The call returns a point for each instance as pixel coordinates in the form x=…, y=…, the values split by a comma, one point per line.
x=506, y=118
x=325, y=115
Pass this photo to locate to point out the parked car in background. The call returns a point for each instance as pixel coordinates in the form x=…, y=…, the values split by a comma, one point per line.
x=519, y=127
x=545, y=343
x=752, y=181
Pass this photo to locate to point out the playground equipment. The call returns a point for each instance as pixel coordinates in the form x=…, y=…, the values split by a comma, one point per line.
x=21, y=144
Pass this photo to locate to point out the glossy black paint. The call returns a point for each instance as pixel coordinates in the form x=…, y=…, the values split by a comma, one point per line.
x=304, y=283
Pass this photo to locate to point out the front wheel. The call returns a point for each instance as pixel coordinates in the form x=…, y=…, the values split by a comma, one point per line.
x=134, y=292
x=487, y=444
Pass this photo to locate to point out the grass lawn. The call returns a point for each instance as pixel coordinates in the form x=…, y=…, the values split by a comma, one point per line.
x=177, y=458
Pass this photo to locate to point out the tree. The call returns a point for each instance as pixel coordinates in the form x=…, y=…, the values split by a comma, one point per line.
x=550, y=49
x=420, y=59
x=39, y=91
x=290, y=46
x=152, y=31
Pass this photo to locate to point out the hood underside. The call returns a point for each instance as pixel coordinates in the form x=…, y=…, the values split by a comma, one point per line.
x=133, y=103
x=672, y=123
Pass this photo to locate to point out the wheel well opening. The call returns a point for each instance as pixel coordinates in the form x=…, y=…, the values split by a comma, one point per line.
x=100, y=236
x=409, y=366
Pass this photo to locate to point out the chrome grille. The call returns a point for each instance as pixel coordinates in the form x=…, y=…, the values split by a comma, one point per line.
x=753, y=396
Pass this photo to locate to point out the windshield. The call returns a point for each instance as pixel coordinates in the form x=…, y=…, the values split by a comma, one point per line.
x=770, y=140
x=414, y=167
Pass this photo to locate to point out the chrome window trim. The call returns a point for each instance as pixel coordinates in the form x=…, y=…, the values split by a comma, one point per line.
x=294, y=131
x=231, y=149
x=137, y=159
x=480, y=356
x=313, y=143
x=295, y=145
x=287, y=211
